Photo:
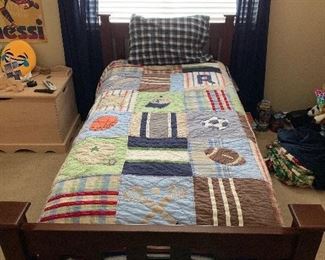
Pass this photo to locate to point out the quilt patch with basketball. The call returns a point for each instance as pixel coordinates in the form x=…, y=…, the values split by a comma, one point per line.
x=167, y=145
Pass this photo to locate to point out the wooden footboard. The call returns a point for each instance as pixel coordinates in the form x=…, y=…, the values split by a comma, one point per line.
x=22, y=240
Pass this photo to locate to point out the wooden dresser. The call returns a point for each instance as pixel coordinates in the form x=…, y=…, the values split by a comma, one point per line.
x=39, y=122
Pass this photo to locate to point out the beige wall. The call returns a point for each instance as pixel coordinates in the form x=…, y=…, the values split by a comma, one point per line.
x=296, y=53
x=50, y=53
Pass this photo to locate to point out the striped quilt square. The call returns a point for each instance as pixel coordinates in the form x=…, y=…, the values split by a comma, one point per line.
x=225, y=158
x=105, y=124
x=93, y=157
x=157, y=145
x=122, y=64
x=203, y=80
x=155, y=82
x=160, y=102
x=156, y=200
x=115, y=100
x=120, y=74
x=126, y=80
x=119, y=68
x=207, y=100
x=234, y=202
x=235, y=101
x=166, y=69
x=208, y=124
x=83, y=200
x=158, y=130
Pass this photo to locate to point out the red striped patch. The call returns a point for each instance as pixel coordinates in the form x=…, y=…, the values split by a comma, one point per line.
x=211, y=101
x=219, y=100
x=83, y=193
x=84, y=202
x=225, y=99
x=80, y=214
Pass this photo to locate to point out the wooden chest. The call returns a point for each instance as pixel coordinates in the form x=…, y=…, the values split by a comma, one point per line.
x=38, y=121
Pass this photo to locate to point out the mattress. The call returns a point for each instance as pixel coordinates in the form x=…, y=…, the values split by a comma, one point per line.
x=164, y=145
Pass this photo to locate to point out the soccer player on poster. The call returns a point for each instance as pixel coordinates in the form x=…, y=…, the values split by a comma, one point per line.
x=26, y=4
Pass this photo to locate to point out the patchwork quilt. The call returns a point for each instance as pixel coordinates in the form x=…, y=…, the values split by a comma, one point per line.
x=166, y=145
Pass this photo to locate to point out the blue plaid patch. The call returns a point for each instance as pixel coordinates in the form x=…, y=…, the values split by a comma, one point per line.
x=156, y=200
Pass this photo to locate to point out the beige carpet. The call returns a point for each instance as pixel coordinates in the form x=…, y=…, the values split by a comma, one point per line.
x=28, y=177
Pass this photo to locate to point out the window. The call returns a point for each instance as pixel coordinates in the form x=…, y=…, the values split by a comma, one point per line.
x=121, y=10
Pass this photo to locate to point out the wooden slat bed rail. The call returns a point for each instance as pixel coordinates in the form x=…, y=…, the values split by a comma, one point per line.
x=114, y=39
x=22, y=240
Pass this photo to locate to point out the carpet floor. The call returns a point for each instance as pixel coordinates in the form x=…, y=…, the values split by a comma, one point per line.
x=28, y=177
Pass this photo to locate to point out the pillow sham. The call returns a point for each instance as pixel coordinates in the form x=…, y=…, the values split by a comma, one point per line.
x=161, y=41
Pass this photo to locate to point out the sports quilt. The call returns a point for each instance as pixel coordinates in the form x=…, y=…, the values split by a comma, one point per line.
x=166, y=145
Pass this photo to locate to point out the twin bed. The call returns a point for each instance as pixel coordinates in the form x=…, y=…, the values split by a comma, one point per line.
x=166, y=165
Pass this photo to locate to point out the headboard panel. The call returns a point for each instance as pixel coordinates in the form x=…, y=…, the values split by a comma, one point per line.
x=114, y=38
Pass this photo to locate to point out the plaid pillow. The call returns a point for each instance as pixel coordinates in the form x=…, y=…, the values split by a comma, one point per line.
x=159, y=41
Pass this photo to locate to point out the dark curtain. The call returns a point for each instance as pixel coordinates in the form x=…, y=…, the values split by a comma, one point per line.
x=81, y=40
x=249, y=50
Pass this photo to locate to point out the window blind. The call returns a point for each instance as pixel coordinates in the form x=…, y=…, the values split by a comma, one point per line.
x=121, y=10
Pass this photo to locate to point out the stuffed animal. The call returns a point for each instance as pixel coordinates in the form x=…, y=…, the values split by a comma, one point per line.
x=318, y=111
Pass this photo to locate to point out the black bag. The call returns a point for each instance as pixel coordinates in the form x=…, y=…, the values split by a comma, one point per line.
x=300, y=118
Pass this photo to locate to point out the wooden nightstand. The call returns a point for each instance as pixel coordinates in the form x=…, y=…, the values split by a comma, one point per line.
x=39, y=122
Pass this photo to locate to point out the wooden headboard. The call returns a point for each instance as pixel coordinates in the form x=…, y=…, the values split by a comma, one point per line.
x=114, y=38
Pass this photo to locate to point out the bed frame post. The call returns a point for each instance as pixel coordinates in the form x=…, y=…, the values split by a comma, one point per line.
x=12, y=216
x=309, y=220
x=228, y=33
x=106, y=39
